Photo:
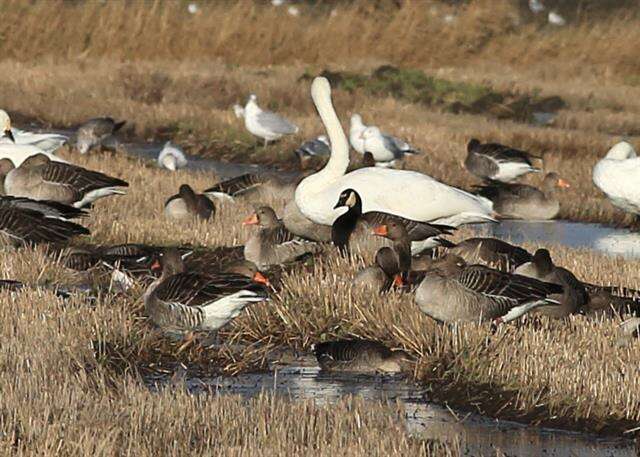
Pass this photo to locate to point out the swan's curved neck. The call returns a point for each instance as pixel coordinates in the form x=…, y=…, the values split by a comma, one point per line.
x=339, y=159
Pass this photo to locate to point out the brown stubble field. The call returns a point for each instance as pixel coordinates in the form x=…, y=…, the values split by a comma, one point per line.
x=64, y=395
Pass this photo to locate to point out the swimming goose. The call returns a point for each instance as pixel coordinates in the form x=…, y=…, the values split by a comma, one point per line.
x=618, y=175
x=491, y=252
x=421, y=234
x=573, y=297
x=265, y=124
x=93, y=132
x=180, y=302
x=234, y=187
x=361, y=356
x=187, y=204
x=454, y=291
x=47, y=142
x=381, y=189
x=521, y=201
x=272, y=243
x=386, y=149
x=383, y=274
x=24, y=225
x=171, y=157
x=497, y=162
x=41, y=179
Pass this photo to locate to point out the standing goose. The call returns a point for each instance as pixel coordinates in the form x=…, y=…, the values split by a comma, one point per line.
x=188, y=204
x=618, y=175
x=496, y=162
x=383, y=274
x=180, y=302
x=20, y=223
x=455, y=292
x=573, y=297
x=491, y=252
x=520, y=201
x=41, y=179
x=386, y=190
x=361, y=356
x=421, y=234
x=265, y=124
x=386, y=149
x=272, y=243
x=93, y=132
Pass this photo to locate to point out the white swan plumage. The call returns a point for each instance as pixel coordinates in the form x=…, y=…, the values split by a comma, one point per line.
x=405, y=193
x=618, y=176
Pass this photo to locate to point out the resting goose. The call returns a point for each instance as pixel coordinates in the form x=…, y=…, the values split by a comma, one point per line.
x=521, y=201
x=188, y=204
x=391, y=191
x=180, y=302
x=234, y=187
x=265, y=124
x=574, y=295
x=93, y=132
x=272, y=244
x=455, y=292
x=491, y=252
x=397, y=233
x=41, y=179
x=421, y=234
x=47, y=208
x=22, y=223
x=497, y=162
x=383, y=274
x=171, y=157
x=361, y=356
x=618, y=175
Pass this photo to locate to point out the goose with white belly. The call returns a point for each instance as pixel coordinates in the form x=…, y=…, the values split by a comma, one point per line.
x=618, y=175
x=386, y=190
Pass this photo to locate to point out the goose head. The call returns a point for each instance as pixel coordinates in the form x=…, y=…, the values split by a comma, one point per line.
x=349, y=198
x=264, y=217
x=169, y=262
x=34, y=161
x=473, y=144
x=448, y=266
x=5, y=125
x=248, y=269
x=553, y=180
x=542, y=262
x=621, y=151
x=393, y=230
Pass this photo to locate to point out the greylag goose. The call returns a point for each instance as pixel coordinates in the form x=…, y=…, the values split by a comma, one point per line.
x=421, y=234
x=455, y=292
x=397, y=233
x=171, y=157
x=618, y=175
x=188, y=204
x=93, y=132
x=298, y=224
x=265, y=124
x=21, y=223
x=47, y=208
x=383, y=274
x=41, y=179
x=361, y=356
x=496, y=162
x=234, y=187
x=180, y=302
x=520, y=201
x=272, y=243
x=6, y=165
x=491, y=252
x=573, y=297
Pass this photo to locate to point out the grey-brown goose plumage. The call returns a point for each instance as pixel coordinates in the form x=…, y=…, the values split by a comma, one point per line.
x=6, y=165
x=272, y=243
x=41, y=179
x=397, y=233
x=383, y=274
x=22, y=223
x=457, y=292
x=574, y=295
x=361, y=356
x=521, y=201
x=94, y=131
x=496, y=162
x=180, y=301
x=491, y=252
x=188, y=204
x=235, y=187
x=298, y=224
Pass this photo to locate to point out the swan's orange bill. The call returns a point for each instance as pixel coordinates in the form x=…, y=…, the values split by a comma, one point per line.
x=380, y=230
x=564, y=184
x=155, y=266
x=251, y=220
x=398, y=281
x=260, y=278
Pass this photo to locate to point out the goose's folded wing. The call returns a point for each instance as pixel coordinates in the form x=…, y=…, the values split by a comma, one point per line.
x=30, y=226
x=237, y=185
x=501, y=153
x=79, y=178
x=417, y=231
x=45, y=207
x=278, y=235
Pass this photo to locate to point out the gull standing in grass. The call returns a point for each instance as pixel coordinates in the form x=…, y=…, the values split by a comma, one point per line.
x=265, y=124
x=93, y=132
x=556, y=19
x=171, y=157
x=386, y=149
x=356, y=128
x=536, y=6
x=12, y=149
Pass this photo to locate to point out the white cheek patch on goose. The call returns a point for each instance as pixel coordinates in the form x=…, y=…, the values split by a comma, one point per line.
x=351, y=201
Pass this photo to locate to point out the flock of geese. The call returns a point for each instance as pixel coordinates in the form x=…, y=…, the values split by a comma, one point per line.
x=334, y=210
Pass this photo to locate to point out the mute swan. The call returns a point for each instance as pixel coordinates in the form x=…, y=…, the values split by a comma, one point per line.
x=265, y=124
x=618, y=175
x=409, y=194
x=94, y=131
